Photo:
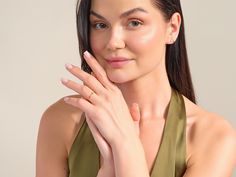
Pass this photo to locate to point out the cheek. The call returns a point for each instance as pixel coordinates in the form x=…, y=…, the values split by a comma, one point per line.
x=96, y=43
x=148, y=41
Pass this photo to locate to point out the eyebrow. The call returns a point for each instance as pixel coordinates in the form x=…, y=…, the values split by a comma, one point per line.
x=125, y=14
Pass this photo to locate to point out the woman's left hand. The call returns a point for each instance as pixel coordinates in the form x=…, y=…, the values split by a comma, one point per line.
x=103, y=103
x=107, y=168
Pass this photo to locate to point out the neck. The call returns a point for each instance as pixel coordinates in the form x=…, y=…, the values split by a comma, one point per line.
x=153, y=99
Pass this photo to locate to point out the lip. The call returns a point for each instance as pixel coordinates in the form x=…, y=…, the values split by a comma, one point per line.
x=118, y=62
x=114, y=59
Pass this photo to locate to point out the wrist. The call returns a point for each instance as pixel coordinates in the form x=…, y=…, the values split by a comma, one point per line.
x=126, y=143
x=124, y=138
x=129, y=159
x=107, y=170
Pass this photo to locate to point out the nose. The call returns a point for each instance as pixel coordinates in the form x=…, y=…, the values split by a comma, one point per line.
x=116, y=39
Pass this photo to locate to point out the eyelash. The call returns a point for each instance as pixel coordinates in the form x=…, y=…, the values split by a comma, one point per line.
x=136, y=21
x=98, y=23
x=95, y=24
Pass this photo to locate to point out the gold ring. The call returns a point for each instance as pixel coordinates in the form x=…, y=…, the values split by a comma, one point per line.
x=90, y=95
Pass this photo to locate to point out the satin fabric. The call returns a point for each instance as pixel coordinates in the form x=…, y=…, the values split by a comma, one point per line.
x=170, y=160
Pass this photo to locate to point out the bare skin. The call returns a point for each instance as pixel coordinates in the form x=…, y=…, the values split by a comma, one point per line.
x=61, y=123
x=211, y=141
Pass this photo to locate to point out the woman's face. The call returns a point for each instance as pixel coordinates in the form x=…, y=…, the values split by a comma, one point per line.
x=133, y=30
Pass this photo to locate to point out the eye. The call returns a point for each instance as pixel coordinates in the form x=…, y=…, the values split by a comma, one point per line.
x=99, y=26
x=134, y=23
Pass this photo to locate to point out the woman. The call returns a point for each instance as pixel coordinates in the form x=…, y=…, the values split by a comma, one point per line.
x=135, y=115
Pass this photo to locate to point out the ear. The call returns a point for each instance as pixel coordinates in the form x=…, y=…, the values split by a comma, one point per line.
x=173, y=28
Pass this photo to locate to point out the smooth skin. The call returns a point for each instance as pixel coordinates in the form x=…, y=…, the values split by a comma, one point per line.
x=129, y=136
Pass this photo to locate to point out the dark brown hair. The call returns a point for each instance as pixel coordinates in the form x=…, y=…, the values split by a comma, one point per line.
x=176, y=54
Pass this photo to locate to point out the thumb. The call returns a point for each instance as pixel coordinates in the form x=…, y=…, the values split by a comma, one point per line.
x=135, y=113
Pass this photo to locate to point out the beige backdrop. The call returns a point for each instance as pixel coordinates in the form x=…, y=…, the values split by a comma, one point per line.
x=38, y=37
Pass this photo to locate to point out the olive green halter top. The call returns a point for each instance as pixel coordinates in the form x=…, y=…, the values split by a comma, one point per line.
x=170, y=160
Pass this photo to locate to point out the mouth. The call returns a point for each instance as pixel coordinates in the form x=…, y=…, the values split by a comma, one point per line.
x=118, y=62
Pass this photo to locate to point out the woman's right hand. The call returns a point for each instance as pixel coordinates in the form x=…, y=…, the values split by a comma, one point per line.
x=107, y=164
x=107, y=168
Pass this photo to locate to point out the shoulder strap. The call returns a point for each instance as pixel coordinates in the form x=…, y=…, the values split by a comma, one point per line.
x=170, y=160
x=84, y=155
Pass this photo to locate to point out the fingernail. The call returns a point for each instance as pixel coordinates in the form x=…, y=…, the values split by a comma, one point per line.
x=64, y=80
x=135, y=105
x=87, y=54
x=66, y=99
x=68, y=65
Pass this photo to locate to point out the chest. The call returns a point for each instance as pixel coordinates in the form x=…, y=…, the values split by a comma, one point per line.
x=151, y=137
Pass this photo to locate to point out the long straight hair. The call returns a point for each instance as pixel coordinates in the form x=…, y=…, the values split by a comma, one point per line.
x=177, y=66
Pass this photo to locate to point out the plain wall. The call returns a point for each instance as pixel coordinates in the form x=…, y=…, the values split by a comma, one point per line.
x=38, y=37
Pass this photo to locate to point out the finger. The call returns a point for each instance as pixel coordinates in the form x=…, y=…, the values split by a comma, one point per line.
x=92, y=73
x=99, y=72
x=80, y=103
x=87, y=79
x=83, y=90
x=135, y=113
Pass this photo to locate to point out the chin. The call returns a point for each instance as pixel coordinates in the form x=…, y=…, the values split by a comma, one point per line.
x=121, y=80
x=117, y=79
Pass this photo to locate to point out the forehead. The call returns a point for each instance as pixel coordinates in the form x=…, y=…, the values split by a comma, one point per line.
x=120, y=5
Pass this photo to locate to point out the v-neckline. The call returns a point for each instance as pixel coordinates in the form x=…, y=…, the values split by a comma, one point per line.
x=170, y=159
x=164, y=136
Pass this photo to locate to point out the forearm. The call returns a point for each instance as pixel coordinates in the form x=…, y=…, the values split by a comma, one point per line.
x=107, y=170
x=129, y=160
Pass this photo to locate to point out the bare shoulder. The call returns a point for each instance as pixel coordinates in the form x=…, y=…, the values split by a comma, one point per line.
x=211, y=141
x=57, y=130
x=63, y=120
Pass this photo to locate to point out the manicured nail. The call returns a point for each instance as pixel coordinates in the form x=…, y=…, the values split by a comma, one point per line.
x=136, y=105
x=87, y=54
x=66, y=99
x=68, y=66
x=64, y=80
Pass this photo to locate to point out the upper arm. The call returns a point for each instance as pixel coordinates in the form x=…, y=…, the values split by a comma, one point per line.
x=214, y=153
x=57, y=129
